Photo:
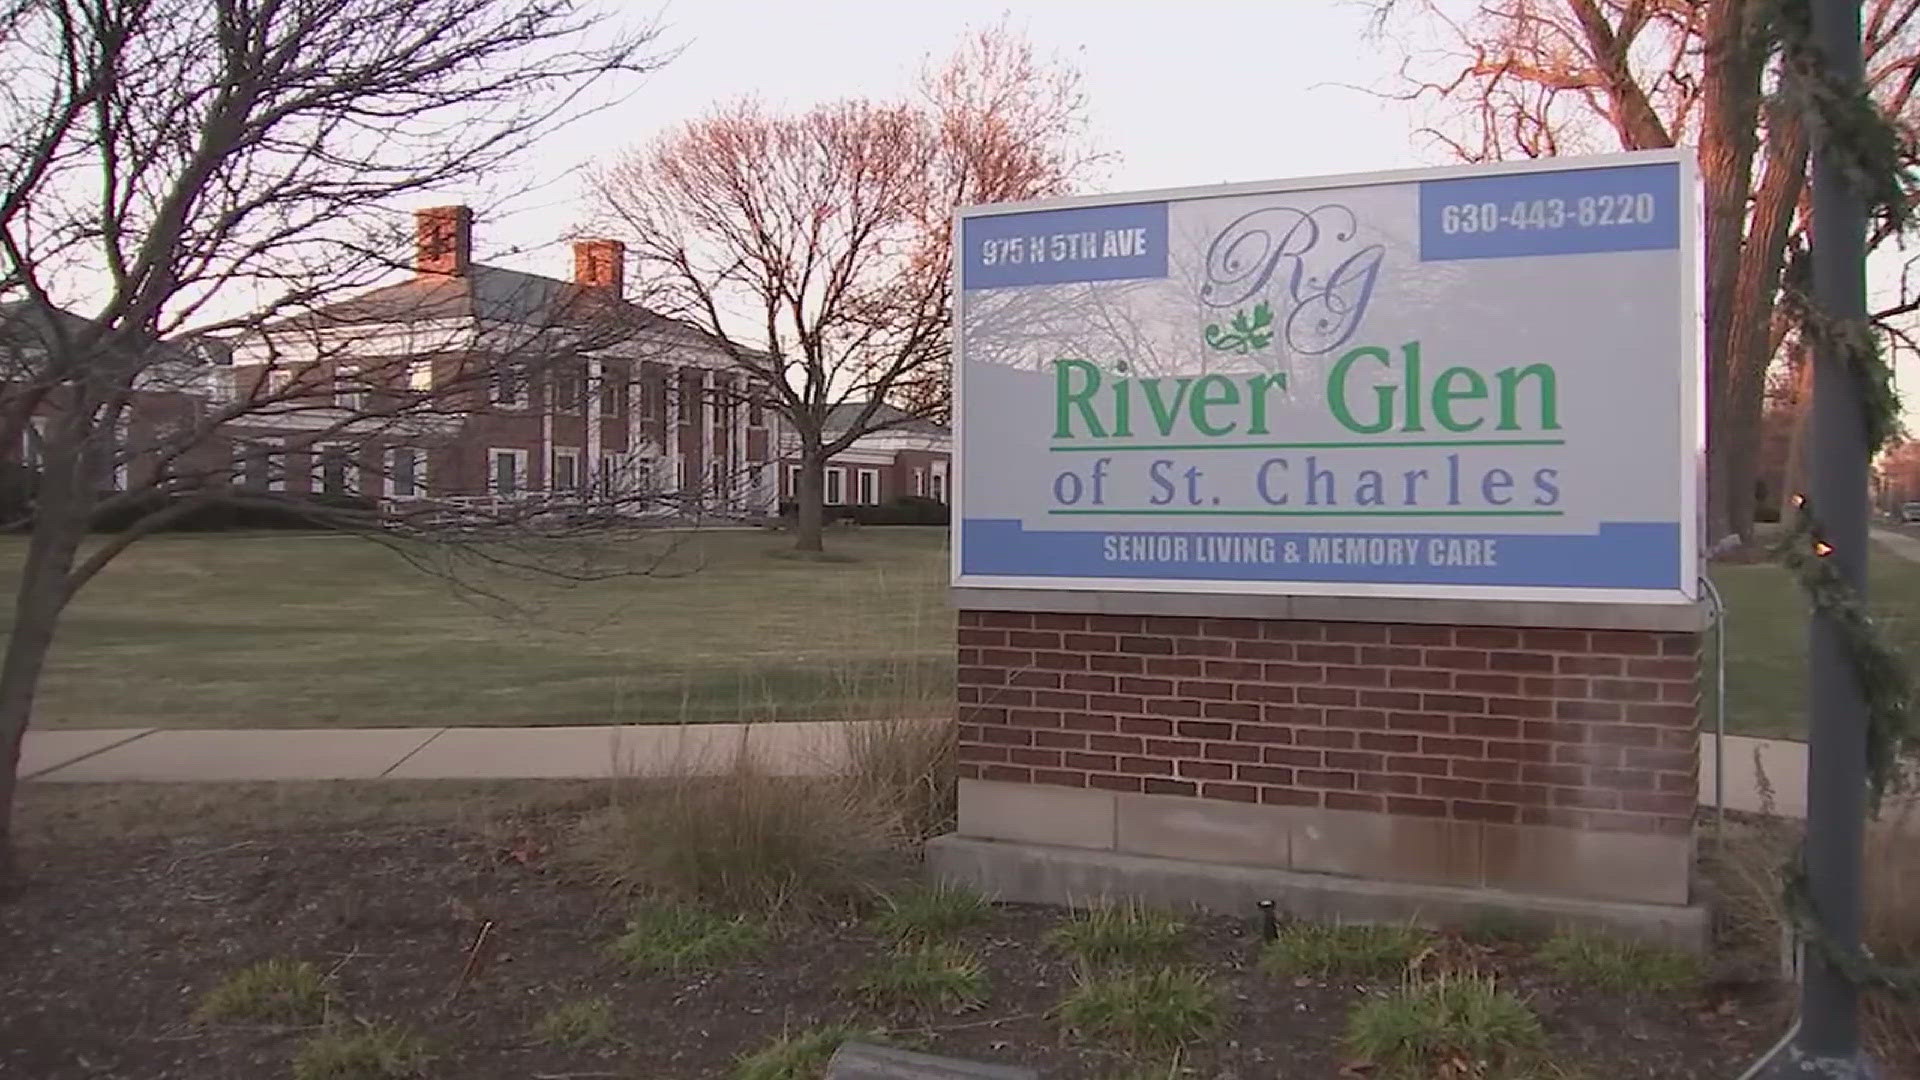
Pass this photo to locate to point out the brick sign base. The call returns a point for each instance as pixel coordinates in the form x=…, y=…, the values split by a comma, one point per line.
x=1553, y=761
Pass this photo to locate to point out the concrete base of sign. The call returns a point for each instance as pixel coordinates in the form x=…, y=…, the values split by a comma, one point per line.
x=1038, y=874
x=1586, y=615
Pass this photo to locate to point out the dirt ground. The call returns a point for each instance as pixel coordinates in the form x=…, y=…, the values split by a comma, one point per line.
x=104, y=957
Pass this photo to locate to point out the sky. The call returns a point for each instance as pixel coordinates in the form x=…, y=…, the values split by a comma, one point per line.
x=1183, y=92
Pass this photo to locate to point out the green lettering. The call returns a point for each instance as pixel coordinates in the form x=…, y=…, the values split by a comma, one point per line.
x=1444, y=396
x=1411, y=350
x=1337, y=392
x=1164, y=411
x=1065, y=398
x=1510, y=392
x=1257, y=388
x=1213, y=390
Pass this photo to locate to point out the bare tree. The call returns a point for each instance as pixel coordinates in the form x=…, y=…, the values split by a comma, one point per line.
x=1532, y=78
x=817, y=247
x=169, y=162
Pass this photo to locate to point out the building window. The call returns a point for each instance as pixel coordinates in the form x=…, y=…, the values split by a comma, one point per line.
x=756, y=481
x=612, y=476
x=836, y=486
x=566, y=469
x=569, y=388
x=756, y=411
x=334, y=471
x=348, y=391
x=718, y=479
x=420, y=376
x=406, y=472
x=508, y=387
x=33, y=439
x=919, y=481
x=939, y=485
x=119, y=455
x=506, y=472
x=613, y=390
x=258, y=466
x=869, y=487
x=278, y=382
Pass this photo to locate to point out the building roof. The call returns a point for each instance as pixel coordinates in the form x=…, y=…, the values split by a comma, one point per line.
x=495, y=294
x=885, y=418
x=25, y=322
x=28, y=323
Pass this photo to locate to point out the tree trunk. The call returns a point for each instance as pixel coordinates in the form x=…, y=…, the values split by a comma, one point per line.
x=1750, y=332
x=1728, y=142
x=59, y=523
x=809, y=495
x=1793, y=474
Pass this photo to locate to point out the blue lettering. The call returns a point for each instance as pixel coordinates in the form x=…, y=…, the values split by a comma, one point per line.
x=1158, y=473
x=1261, y=480
x=1546, y=482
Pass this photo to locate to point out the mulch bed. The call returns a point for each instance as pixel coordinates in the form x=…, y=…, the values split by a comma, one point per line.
x=105, y=956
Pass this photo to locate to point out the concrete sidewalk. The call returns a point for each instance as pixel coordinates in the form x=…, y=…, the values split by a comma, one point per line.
x=1899, y=543
x=508, y=753
x=463, y=753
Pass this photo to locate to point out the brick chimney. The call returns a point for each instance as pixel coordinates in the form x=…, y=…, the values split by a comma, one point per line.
x=443, y=240
x=600, y=264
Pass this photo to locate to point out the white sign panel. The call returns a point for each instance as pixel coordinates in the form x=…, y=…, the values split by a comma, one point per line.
x=1478, y=382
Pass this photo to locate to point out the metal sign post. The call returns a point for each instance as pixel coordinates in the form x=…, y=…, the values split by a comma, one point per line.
x=1828, y=1041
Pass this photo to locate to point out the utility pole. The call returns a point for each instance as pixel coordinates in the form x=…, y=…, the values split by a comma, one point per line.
x=1828, y=1042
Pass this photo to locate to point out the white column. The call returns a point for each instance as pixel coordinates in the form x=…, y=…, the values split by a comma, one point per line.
x=670, y=388
x=588, y=471
x=635, y=394
x=545, y=450
x=706, y=415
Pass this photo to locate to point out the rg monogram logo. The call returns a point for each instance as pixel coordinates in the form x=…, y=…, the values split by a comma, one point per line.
x=1328, y=278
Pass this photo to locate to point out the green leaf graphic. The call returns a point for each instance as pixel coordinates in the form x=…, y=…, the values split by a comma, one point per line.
x=1250, y=331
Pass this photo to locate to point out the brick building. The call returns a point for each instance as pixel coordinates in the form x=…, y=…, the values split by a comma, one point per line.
x=164, y=396
x=469, y=381
x=904, y=457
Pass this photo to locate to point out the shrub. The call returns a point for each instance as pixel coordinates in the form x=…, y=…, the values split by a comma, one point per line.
x=794, y=1057
x=285, y=511
x=932, y=978
x=1460, y=1023
x=1123, y=933
x=275, y=991
x=927, y=912
x=1892, y=928
x=674, y=937
x=1159, y=1010
x=906, y=768
x=576, y=1024
x=740, y=840
x=365, y=1052
x=1611, y=963
x=905, y=510
x=1352, y=951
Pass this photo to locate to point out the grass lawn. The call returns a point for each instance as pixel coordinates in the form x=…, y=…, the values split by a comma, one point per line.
x=301, y=630
x=298, y=630
x=1767, y=639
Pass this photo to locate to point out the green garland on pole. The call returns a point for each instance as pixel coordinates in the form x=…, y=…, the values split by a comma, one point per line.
x=1881, y=671
x=1845, y=119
